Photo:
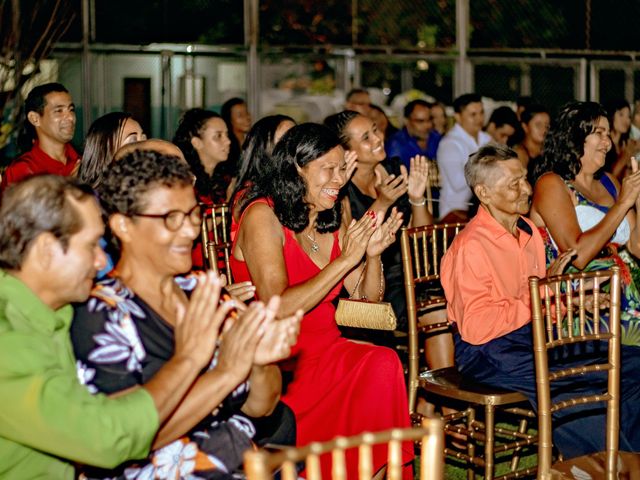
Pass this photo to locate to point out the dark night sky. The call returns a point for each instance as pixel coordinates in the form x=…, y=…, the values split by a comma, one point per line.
x=495, y=23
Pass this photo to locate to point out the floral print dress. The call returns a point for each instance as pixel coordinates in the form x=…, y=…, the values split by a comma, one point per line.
x=120, y=342
x=614, y=253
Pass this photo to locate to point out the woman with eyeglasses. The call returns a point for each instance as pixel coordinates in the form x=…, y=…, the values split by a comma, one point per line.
x=124, y=333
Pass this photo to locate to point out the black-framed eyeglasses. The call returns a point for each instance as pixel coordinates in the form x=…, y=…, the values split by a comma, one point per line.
x=174, y=219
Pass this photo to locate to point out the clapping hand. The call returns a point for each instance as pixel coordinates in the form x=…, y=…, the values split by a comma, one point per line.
x=279, y=335
x=385, y=233
x=356, y=238
x=239, y=341
x=198, y=325
x=630, y=190
x=417, y=178
x=634, y=170
x=390, y=187
x=351, y=160
x=241, y=291
x=559, y=264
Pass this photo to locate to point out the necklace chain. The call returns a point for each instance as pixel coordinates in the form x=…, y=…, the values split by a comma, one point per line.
x=314, y=245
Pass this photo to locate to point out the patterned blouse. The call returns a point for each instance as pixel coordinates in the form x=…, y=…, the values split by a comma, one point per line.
x=121, y=342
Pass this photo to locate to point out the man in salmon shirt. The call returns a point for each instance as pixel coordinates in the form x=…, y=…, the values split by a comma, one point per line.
x=51, y=123
x=485, y=278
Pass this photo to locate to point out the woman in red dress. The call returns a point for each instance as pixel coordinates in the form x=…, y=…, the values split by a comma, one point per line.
x=292, y=242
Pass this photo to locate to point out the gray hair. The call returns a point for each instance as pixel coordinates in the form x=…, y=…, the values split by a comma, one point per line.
x=482, y=163
x=39, y=204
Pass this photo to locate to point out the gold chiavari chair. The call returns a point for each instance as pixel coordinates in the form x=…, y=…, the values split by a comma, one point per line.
x=261, y=465
x=215, y=236
x=422, y=251
x=561, y=307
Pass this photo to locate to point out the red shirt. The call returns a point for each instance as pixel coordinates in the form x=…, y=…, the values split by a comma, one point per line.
x=485, y=276
x=36, y=161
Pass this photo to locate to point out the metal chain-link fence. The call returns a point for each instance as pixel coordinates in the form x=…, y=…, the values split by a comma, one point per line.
x=311, y=53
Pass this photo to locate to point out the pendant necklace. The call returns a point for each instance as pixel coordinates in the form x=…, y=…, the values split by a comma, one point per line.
x=314, y=245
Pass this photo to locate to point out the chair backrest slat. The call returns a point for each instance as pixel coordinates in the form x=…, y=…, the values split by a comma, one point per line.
x=312, y=465
x=215, y=236
x=394, y=467
x=289, y=471
x=338, y=465
x=365, y=462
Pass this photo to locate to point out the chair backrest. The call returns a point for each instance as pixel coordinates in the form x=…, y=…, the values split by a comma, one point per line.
x=215, y=235
x=261, y=465
x=422, y=250
x=567, y=310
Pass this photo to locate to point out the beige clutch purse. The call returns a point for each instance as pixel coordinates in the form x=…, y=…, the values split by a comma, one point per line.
x=365, y=314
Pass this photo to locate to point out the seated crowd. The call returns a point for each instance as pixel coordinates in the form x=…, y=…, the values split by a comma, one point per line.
x=122, y=358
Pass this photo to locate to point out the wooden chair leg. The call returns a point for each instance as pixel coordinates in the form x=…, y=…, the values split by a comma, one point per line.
x=515, y=459
x=438, y=346
x=489, y=443
x=471, y=447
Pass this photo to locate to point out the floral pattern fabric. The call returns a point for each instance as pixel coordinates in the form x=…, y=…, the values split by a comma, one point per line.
x=120, y=342
x=613, y=254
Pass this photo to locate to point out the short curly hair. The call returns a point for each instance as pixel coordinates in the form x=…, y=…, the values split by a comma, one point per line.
x=125, y=186
x=564, y=143
x=283, y=184
x=39, y=204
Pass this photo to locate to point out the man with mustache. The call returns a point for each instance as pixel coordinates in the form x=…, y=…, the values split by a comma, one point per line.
x=51, y=123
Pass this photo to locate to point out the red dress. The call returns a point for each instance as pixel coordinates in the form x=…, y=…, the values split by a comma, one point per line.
x=339, y=387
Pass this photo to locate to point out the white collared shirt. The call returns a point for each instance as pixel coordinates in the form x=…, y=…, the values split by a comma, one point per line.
x=453, y=153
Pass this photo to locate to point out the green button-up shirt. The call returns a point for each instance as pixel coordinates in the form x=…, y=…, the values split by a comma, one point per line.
x=45, y=412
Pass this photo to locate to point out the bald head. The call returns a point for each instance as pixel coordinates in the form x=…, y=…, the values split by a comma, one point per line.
x=152, y=144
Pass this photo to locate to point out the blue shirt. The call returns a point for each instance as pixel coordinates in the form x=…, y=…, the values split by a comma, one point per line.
x=403, y=145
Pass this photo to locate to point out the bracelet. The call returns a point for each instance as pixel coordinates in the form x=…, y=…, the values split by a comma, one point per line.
x=382, y=285
x=421, y=203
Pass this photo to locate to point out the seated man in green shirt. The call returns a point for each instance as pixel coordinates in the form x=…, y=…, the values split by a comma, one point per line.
x=50, y=228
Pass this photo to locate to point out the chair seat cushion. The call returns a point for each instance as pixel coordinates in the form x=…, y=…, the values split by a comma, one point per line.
x=450, y=383
x=593, y=467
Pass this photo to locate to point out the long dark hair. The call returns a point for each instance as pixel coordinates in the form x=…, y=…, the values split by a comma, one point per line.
x=564, y=143
x=283, y=184
x=191, y=125
x=100, y=146
x=338, y=123
x=230, y=167
x=256, y=151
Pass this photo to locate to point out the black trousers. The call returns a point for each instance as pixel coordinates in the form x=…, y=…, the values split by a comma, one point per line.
x=507, y=362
